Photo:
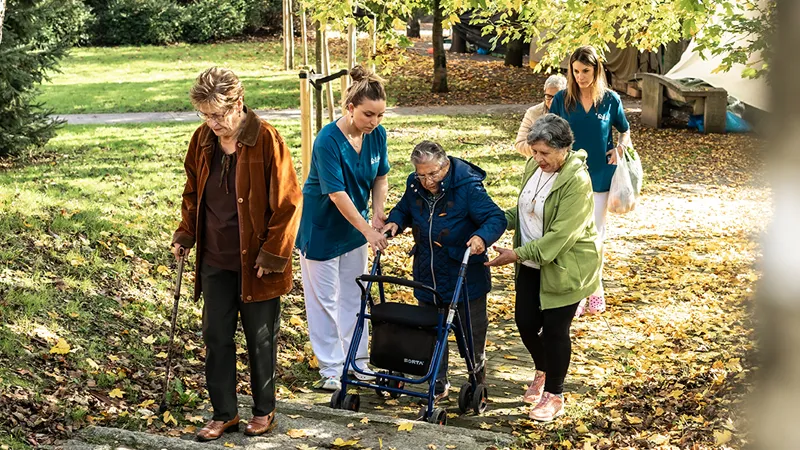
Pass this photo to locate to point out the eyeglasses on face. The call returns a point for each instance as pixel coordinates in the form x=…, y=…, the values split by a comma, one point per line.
x=548, y=97
x=216, y=117
x=433, y=176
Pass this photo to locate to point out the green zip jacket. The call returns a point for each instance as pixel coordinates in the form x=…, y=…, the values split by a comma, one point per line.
x=569, y=250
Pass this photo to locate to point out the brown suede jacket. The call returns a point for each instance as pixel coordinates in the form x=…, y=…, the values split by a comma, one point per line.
x=268, y=206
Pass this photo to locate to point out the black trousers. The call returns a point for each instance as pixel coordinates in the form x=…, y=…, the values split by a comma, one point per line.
x=545, y=333
x=480, y=325
x=260, y=321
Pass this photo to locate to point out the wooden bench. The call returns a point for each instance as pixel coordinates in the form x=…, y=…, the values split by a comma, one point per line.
x=709, y=101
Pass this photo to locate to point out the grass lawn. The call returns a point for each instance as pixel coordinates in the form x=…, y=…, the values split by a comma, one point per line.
x=84, y=230
x=156, y=78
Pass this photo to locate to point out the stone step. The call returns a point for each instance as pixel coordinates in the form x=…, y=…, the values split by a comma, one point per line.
x=321, y=427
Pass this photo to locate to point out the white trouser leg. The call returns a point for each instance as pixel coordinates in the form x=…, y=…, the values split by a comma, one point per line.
x=600, y=211
x=321, y=291
x=351, y=265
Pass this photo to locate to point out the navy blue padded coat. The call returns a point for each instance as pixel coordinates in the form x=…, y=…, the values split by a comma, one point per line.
x=441, y=232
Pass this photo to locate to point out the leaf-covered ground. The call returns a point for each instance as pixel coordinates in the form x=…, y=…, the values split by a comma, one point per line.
x=85, y=303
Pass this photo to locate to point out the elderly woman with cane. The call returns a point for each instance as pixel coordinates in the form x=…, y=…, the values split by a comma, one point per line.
x=240, y=207
x=557, y=257
x=448, y=210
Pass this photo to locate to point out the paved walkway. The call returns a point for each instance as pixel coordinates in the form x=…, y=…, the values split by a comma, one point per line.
x=631, y=104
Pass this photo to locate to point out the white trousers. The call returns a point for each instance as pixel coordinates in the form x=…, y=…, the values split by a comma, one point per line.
x=600, y=212
x=333, y=300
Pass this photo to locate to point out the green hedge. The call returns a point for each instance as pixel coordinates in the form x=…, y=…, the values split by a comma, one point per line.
x=142, y=22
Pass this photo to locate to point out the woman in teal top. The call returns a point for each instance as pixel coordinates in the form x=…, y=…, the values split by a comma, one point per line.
x=349, y=162
x=592, y=110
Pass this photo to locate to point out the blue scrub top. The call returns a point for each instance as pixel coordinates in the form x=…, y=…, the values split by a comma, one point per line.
x=335, y=166
x=593, y=133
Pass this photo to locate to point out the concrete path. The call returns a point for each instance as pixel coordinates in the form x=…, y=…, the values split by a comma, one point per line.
x=631, y=104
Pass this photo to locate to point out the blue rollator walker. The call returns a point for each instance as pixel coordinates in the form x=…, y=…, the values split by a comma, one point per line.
x=408, y=339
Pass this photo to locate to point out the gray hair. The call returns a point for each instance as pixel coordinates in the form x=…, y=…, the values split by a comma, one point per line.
x=556, y=81
x=553, y=131
x=428, y=151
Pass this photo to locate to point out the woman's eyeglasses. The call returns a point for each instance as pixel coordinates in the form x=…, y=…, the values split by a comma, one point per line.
x=548, y=97
x=216, y=117
x=430, y=176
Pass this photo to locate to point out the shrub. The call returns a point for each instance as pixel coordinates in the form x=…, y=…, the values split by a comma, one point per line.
x=210, y=20
x=138, y=22
x=36, y=35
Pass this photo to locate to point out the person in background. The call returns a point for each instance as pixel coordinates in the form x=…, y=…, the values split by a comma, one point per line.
x=556, y=254
x=552, y=85
x=349, y=163
x=593, y=112
x=240, y=207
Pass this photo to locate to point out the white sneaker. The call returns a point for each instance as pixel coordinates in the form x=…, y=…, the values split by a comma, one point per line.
x=367, y=376
x=328, y=383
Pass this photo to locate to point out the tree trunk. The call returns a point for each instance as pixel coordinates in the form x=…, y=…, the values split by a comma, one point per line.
x=2, y=17
x=776, y=398
x=439, y=55
x=458, y=44
x=672, y=54
x=515, y=50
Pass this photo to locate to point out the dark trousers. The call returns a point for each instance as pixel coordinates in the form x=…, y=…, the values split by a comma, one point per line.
x=480, y=324
x=260, y=321
x=545, y=333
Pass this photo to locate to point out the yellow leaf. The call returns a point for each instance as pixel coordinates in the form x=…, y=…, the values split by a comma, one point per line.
x=431, y=447
x=339, y=442
x=350, y=425
x=113, y=358
x=61, y=347
x=567, y=444
x=485, y=426
x=189, y=429
x=229, y=444
x=167, y=418
x=633, y=420
x=582, y=429
x=163, y=270
x=296, y=321
x=659, y=411
x=722, y=437
x=450, y=446
x=125, y=250
x=405, y=426
x=658, y=439
x=146, y=403
x=313, y=363
x=161, y=355
x=116, y=393
x=510, y=357
x=92, y=364
x=194, y=419
x=149, y=340
x=365, y=420
x=676, y=394
x=296, y=433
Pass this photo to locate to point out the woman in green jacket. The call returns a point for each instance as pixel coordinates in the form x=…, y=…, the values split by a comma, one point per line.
x=557, y=257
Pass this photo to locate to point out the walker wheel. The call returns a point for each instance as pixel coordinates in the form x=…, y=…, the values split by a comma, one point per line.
x=438, y=416
x=351, y=402
x=396, y=384
x=479, y=399
x=465, y=397
x=336, y=402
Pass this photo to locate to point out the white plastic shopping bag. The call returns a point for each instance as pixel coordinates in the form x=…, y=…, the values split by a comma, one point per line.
x=621, y=196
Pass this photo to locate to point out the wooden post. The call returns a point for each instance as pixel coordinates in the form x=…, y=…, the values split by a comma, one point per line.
x=652, y=102
x=352, y=39
x=306, y=135
x=326, y=70
x=318, y=63
x=374, y=46
x=285, y=5
x=290, y=38
x=345, y=80
x=304, y=32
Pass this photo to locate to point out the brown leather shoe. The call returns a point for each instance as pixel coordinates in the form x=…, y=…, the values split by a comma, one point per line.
x=215, y=428
x=259, y=425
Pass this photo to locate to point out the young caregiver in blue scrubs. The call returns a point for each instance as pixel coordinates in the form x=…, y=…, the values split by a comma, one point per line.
x=592, y=110
x=349, y=162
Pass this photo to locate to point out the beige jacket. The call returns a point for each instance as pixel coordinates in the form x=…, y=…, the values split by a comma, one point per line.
x=533, y=113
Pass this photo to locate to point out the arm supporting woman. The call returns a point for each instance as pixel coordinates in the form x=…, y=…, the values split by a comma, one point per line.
x=380, y=188
x=345, y=206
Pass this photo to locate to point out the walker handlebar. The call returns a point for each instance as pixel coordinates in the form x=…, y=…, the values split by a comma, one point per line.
x=401, y=282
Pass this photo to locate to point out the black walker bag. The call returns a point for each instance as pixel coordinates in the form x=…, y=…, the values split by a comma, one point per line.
x=403, y=337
